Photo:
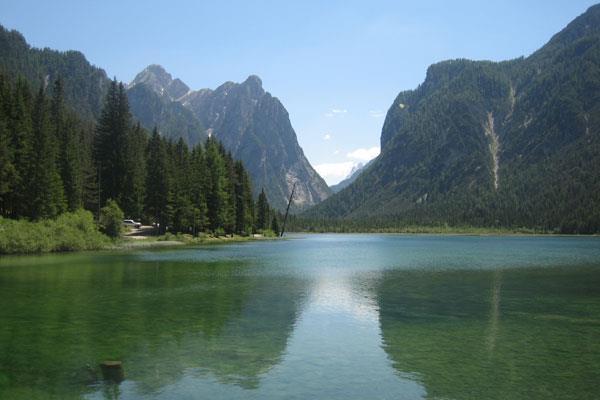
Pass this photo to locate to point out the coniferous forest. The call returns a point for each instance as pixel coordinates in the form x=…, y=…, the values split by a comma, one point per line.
x=52, y=161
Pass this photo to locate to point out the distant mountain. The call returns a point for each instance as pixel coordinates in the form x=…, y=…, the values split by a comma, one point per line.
x=253, y=125
x=354, y=173
x=514, y=143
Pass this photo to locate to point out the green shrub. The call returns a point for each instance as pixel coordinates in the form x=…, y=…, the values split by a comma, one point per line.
x=68, y=232
x=111, y=219
x=267, y=233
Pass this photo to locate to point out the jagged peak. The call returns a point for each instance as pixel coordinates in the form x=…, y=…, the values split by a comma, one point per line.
x=153, y=71
x=253, y=80
x=161, y=82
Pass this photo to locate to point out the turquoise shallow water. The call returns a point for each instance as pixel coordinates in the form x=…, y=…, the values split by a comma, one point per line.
x=316, y=316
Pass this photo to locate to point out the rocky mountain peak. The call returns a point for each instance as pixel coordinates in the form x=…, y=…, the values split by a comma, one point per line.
x=254, y=86
x=248, y=121
x=161, y=82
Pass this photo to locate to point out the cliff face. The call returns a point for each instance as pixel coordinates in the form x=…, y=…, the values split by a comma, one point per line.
x=253, y=125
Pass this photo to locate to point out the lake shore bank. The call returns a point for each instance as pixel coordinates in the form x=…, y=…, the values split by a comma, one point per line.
x=169, y=240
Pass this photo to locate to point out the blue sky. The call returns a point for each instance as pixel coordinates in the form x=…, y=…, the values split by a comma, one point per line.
x=335, y=65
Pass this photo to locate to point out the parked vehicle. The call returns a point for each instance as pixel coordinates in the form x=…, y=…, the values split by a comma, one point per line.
x=132, y=223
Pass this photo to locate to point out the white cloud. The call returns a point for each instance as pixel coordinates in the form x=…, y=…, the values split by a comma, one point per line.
x=334, y=172
x=335, y=153
x=335, y=111
x=376, y=113
x=364, y=154
x=327, y=136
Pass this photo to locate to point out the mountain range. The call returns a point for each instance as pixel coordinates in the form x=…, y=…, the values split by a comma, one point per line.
x=252, y=124
x=510, y=144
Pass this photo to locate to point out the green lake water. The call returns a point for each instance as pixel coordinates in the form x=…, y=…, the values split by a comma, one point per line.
x=313, y=317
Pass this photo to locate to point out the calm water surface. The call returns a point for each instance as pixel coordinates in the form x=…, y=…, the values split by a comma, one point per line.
x=313, y=317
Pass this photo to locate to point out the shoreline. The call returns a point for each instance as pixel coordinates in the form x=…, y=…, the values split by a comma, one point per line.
x=440, y=233
x=157, y=242
x=128, y=243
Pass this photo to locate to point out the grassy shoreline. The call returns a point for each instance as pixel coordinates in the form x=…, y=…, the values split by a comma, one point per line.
x=77, y=231
x=170, y=240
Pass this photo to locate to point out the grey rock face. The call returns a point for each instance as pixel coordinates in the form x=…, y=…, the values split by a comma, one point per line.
x=253, y=125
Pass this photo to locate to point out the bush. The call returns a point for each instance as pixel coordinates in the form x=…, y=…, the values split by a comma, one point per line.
x=111, y=219
x=69, y=232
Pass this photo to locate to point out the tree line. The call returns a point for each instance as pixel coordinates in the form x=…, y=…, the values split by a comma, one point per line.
x=52, y=161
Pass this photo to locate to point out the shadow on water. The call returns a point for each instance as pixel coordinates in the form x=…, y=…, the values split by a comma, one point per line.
x=64, y=315
x=512, y=333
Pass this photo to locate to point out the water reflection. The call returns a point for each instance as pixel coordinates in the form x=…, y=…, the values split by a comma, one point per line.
x=523, y=334
x=161, y=319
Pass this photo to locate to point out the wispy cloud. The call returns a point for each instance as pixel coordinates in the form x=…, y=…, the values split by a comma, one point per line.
x=327, y=136
x=334, y=172
x=335, y=111
x=376, y=113
x=364, y=154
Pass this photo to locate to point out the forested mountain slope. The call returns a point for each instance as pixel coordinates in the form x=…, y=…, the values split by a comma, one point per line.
x=509, y=144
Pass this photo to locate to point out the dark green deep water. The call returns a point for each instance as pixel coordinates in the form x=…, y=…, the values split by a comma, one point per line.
x=314, y=317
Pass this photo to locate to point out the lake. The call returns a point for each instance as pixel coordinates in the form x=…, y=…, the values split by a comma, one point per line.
x=312, y=317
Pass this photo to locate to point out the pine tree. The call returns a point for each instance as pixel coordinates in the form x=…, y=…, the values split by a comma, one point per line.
x=198, y=189
x=229, y=209
x=21, y=138
x=244, y=206
x=275, y=225
x=66, y=131
x=8, y=172
x=217, y=194
x=135, y=178
x=111, y=145
x=158, y=185
x=45, y=188
x=262, y=216
x=183, y=211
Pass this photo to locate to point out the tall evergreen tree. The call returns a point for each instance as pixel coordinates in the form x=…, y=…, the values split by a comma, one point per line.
x=111, y=146
x=45, y=188
x=244, y=207
x=21, y=138
x=262, y=212
x=158, y=185
x=183, y=210
x=8, y=172
x=65, y=129
x=135, y=178
x=198, y=189
x=217, y=193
